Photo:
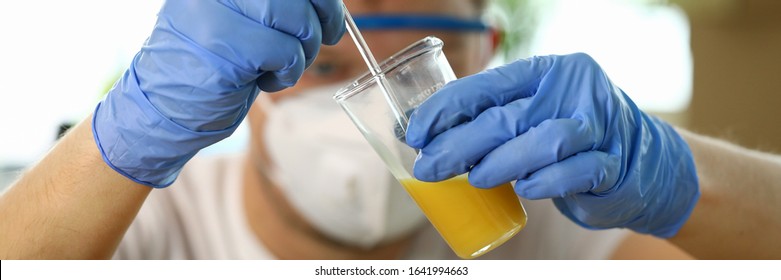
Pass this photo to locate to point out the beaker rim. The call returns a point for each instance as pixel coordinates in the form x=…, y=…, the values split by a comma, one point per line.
x=412, y=51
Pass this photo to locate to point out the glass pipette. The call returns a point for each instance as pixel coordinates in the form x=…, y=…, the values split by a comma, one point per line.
x=375, y=70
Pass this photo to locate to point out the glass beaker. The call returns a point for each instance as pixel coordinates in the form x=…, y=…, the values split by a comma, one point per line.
x=472, y=221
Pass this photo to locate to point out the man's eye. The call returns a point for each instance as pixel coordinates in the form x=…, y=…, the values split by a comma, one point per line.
x=323, y=69
x=328, y=71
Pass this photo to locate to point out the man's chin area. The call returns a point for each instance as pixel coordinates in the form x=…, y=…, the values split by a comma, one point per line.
x=391, y=248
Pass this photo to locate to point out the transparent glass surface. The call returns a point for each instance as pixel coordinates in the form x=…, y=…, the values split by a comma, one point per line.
x=472, y=221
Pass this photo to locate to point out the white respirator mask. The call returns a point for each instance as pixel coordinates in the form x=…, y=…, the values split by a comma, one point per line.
x=330, y=173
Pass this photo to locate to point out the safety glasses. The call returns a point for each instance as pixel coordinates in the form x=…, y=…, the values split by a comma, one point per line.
x=418, y=21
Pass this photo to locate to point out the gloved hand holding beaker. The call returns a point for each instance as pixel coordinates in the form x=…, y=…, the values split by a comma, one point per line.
x=196, y=76
x=563, y=130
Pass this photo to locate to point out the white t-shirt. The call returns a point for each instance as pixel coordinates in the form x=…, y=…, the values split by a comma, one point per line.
x=201, y=216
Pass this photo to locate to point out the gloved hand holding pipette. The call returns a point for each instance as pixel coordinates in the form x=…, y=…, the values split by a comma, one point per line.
x=198, y=73
x=563, y=130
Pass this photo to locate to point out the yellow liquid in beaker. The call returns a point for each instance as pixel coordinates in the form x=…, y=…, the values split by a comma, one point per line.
x=472, y=221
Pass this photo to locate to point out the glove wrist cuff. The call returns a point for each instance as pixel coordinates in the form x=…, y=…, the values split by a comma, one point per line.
x=139, y=142
x=679, y=188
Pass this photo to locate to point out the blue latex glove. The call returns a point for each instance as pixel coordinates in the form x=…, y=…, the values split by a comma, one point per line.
x=196, y=76
x=558, y=126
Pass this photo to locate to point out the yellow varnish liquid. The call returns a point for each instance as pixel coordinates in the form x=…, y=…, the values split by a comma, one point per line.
x=472, y=221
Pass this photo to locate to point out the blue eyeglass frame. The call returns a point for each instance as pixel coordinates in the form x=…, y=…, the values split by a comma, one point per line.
x=418, y=22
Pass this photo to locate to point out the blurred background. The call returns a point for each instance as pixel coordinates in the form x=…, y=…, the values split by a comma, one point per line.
x=713, y=67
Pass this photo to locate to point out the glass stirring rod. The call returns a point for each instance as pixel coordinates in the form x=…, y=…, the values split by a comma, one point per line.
x=375, y=70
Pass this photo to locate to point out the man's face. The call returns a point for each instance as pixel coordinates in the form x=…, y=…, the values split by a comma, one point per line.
x=467, y=52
